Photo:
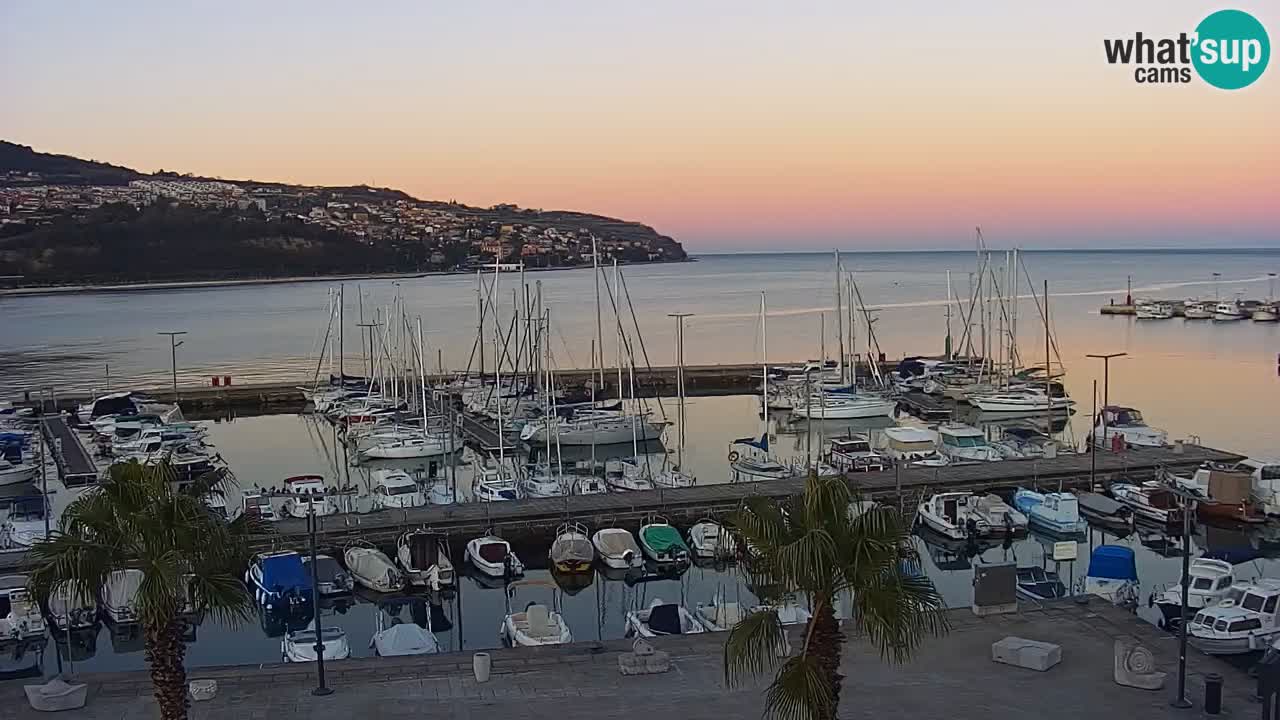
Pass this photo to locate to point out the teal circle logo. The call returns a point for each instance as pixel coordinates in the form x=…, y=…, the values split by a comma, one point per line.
x=1232, y=49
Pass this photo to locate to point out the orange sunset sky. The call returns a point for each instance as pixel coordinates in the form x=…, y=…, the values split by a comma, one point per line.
x=730, y=126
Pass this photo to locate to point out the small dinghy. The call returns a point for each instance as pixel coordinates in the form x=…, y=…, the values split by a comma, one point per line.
x=617, y=548
x=662, y=543
x=492, y=556
x=1039, y=584
x=710, y=540
x=571, y=552
x=373, y=569
x=662, y=618
x=424, y=556
x=300, y=645
x=538, y=624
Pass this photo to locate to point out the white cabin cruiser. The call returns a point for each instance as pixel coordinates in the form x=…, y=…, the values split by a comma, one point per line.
x=1153, y=311
x=662, y=618
x=1028, y=399
x=306, y=496
x=1242, y=622
x=492, y=556
x=854, y=454
x=424, y=557
x=962, y=515
x=960, y=442
x=1056, y=512
x=617, y=548
x=537, y=624
x=1126, y=423
x=908, y=444
x=843, y=406
x=1151, y=501
x=1210, y=581
x=1228, y=311
x=395, y=489
x=373, y=569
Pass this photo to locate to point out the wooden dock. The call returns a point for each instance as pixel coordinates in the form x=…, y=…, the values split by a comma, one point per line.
x=75, y=464
x=522, y=519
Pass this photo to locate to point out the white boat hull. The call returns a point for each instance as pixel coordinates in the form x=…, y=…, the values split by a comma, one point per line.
x=17, y=474
x=842, y=411
x=613, y=433
x=1011, y=405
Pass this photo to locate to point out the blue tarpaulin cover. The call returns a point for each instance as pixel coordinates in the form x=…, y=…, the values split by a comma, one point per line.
x=285, y=573
x=1115, y=562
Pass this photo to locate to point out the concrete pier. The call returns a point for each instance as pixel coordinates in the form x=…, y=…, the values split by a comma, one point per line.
x=950, y=677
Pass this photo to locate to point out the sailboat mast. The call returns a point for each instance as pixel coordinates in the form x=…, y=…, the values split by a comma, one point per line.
x=840, y=319
x=1048, y=376
x=422, y=376
x=599, y=352
x=1013, y=314
x=613, y=300
x=497, y=363
x=342, y=377
x=480, y=318
x=947, y=347
x=764, y=360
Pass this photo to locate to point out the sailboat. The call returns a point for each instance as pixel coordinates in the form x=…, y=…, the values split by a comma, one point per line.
x=749, y=459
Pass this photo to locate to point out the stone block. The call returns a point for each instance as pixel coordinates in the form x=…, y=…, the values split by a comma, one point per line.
x=1030, y=654
x=644, y=659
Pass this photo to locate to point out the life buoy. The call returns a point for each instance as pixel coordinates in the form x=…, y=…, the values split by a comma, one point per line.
x=733, y=456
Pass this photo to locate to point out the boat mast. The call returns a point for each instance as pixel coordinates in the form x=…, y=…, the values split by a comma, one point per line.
x=422, y=377
x=764, y=360
x=613, y=300
x=1048, y=376
x=840, y=319
x=497, y=363
x=599, y=351
x=947, y=344
x=480, y=318
x=342, y=377
x=1013, y=314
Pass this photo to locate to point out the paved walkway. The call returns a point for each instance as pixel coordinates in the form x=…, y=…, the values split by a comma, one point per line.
x=953, y=678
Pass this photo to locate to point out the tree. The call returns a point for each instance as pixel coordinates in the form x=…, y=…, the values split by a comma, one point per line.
x=138, y=519
x=815, y=544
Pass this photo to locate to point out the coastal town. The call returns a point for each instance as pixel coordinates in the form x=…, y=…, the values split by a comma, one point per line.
x=388, y=229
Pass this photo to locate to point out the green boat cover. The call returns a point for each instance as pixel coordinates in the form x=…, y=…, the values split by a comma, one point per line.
x=663, y=538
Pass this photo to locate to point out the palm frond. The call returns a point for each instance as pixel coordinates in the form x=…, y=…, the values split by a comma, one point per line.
x=752, y=646
x=898, y=613
x=800, y=691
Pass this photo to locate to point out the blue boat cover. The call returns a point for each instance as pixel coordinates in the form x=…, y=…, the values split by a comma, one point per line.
x=282, y=573
x=1115, y=562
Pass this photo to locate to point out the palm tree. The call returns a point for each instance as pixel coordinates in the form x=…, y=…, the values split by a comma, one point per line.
x=137, y=519
x=814, y=545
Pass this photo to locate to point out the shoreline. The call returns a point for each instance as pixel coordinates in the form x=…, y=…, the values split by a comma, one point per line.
x=37, y=290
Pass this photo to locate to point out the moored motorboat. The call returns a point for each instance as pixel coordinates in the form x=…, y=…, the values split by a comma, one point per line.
x=14, y=474
x=402, y=639
x=538, y=624
x=571, y=551
x=1037, y=583
x=1209, y=581
x=662, y=618
x=307, y=495
x=71, y=606
x=300, y=645
x=20, y=617
x=709, y=539
x=120, y=596
x=1150, y=501
x=1154, y=311
x=662, y=543
x=1113, y=575
x=492, y=556
x=854, y=454
x=718, y=615
x=1228, y=311
x=1056, y=512
x=1244, y=621
x=1103, y=511
x=330, y=579
x=279, y=580
x=371, y=568
x=1196, y=310
x=617, y=548
x=627, y=474
x=424, y=557
x=961, y=443
x=1128, y=424
x=393, y=488
x=1223, y=494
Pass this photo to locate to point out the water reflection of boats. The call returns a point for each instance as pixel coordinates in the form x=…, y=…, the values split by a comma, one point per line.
x=951, y=554
x=574, y=582
x=1160, y=543
x=275, y=623
x=1234, y=545
x=79, y=644
x=1033, y=420
x=22, y=659
x=127, y=638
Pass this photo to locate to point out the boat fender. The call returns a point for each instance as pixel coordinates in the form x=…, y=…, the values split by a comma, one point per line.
x=1151, y=600
x=733, y=456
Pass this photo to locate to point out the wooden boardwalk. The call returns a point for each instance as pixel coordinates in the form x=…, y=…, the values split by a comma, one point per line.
x=75, y=464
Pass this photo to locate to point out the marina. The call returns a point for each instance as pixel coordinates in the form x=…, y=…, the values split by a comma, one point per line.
x=486, y=469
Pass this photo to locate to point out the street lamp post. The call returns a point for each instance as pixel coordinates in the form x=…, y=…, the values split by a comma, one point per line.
x=312, y=521
x=174, y=344
x=1187, y=503
x=1106, y=393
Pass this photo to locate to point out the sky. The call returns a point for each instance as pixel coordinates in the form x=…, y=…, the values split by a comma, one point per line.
x=731, y=126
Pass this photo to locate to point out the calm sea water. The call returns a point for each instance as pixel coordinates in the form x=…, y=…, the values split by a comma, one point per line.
x=1216, y=381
